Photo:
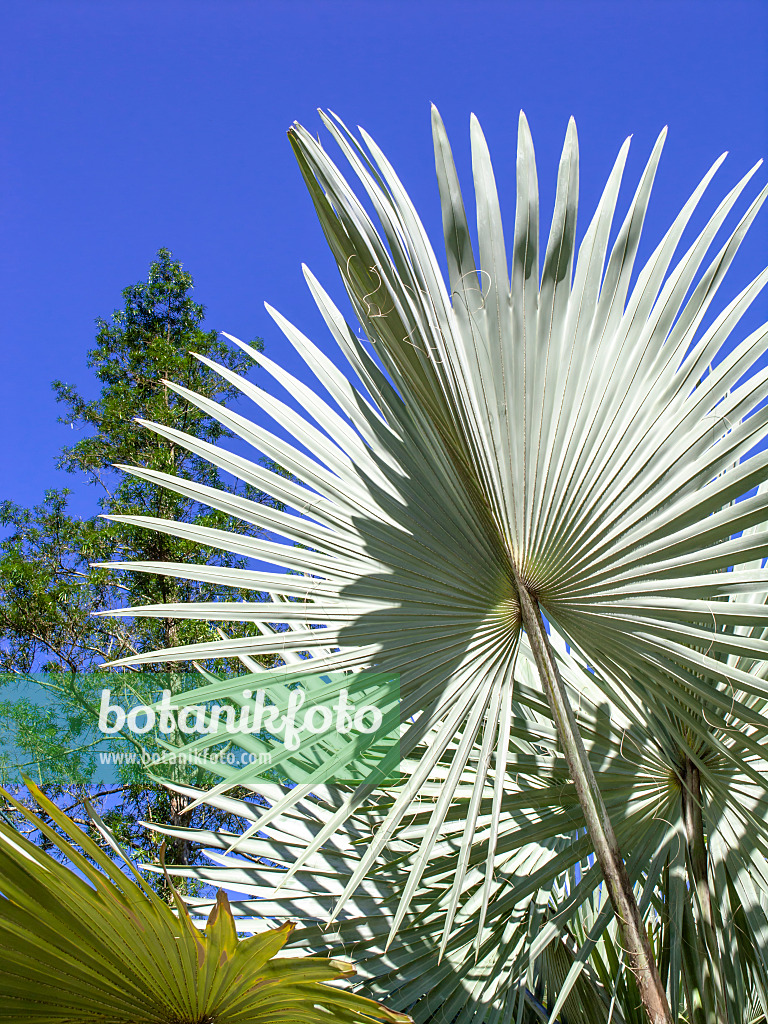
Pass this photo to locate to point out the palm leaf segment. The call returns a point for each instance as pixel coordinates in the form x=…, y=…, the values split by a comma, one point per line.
x=563, y=428
x=95, y=946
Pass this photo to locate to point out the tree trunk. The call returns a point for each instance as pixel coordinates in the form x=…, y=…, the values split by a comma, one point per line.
x=634, y=938
x=180, y=848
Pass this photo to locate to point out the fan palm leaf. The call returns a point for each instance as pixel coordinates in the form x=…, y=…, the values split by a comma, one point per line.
x=92, y=945
x=563, y=442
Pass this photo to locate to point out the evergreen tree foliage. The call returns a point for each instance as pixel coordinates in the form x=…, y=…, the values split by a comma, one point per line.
x=51, y=642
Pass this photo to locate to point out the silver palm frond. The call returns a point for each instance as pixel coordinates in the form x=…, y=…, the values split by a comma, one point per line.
x=566, y=440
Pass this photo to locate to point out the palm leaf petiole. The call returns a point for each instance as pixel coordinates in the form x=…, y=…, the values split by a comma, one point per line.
x=606, y=847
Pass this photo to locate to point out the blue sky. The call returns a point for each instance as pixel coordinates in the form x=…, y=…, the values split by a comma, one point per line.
x=127, y=126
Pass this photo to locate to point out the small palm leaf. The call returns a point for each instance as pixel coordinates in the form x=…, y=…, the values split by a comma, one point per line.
x=91, y=946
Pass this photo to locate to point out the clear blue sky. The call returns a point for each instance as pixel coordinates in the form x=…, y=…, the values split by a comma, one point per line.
x=131, y=125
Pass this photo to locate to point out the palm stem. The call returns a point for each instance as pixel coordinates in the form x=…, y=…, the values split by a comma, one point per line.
x=699, y=1009
x=633, y=934
x=697, y=851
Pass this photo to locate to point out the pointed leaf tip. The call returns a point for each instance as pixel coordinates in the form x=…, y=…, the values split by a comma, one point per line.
x=524, y=130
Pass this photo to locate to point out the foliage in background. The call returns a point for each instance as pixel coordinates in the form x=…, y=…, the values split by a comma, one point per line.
x=50, y=587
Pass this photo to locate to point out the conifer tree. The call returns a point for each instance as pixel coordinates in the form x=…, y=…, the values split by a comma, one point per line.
x=49, y=585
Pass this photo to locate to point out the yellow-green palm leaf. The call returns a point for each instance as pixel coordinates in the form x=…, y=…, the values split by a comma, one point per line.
x=94, y=945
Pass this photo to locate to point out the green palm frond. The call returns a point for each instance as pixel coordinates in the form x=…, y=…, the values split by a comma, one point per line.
x=87, y=943
x=572, y=439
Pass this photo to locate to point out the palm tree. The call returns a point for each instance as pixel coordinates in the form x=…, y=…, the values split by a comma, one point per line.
x=559, y=446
